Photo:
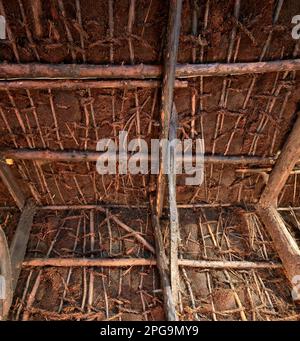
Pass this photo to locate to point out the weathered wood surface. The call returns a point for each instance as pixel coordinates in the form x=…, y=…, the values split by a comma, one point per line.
x=170, y=60
x=140, y=71
x=11, y=184
x=284, y=165
x=92, y=156
x=174, y=219
x=6, y=273
x=283, y=242
x=164, y=271
x=127, y=262
x=74, y=84
x=19, y=243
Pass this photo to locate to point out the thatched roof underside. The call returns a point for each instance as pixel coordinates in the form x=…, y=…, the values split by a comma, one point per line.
x=247, y=115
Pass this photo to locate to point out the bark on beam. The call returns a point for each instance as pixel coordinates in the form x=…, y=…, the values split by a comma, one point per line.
x=284, y=243
x=12, y=185
x=284, y=165
x=141, y=71
x=222, y=69
x=164, y=272
x=128, y=262
x=75, y=84
x=75, y=71
x=19, y=243
x=92, y=156
x=174, y=220
x=170, y=60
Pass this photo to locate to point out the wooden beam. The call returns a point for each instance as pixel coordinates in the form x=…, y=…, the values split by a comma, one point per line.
x=170, y=60
x=174, y=220
x=74, y=84
x=284, y=165
x=19, y=243
x=76, y=71
x=164, y=271
x=222, y=69
x=128, y=262
x=6, y=278
x=283, y=242
x=92, y=156
x=11, y=184
x=140, y=71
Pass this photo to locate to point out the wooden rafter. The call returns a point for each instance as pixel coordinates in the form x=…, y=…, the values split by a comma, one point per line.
x=92, y=156
x=19, y=243
x=75, y=84
x=174, y=219
x=140, y=71
x=164, y=271
x=283, y=241
x=125, y=262
x=284, y=165
x=6, y=275
x=170, y=60
x=12, y=185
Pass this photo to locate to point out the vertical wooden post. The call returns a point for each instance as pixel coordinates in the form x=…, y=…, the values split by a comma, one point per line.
x=174, y=221
x=170, y=60
x=163, y=268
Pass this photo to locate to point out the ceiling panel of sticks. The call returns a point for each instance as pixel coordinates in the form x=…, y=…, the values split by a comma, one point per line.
x=247, y=115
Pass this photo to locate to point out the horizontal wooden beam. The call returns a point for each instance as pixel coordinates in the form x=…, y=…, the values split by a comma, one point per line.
x=92, y=156
x=140, y=71
x=222, y=69
x=78, y=71
x=124, y=262
x=74, y=84
x=284, y=165
x=12, y=185
x=283, y=242
x=130, y=207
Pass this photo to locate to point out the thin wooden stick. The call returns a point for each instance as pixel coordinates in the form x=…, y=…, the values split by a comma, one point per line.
x=136, y=234
x=36, y=7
